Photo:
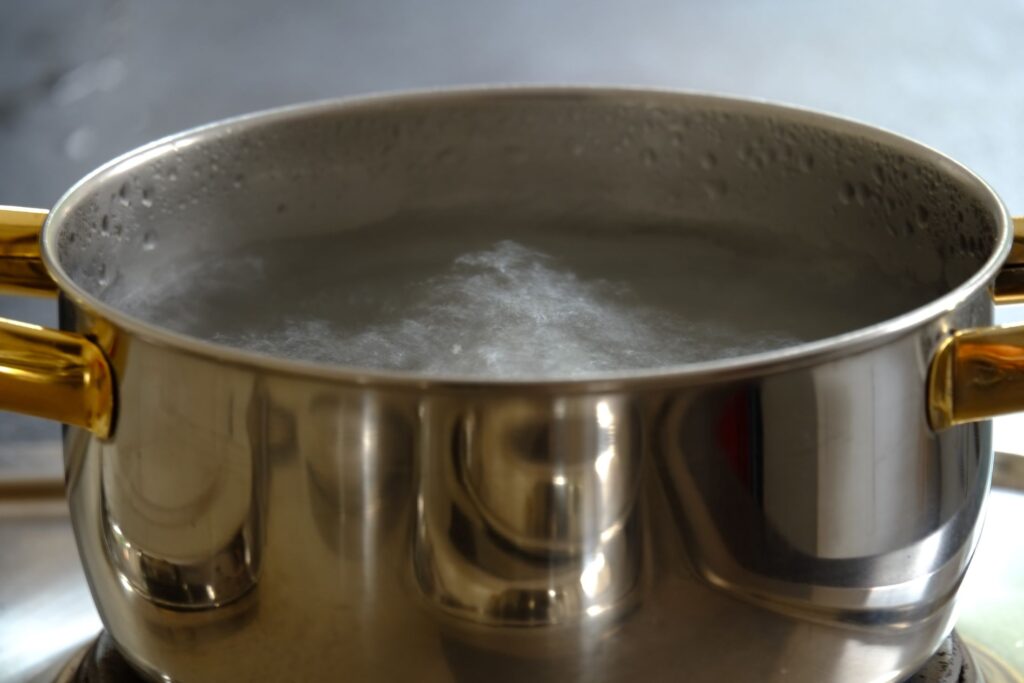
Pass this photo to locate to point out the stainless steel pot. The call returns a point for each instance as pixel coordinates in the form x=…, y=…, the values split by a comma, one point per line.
x=800, y=515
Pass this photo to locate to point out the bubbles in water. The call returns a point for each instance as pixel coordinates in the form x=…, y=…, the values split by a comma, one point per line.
x=504, y=310
x=463, y=303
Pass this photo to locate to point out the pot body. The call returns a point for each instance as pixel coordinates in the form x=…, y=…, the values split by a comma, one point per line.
x=790, y=518
x=801, y=525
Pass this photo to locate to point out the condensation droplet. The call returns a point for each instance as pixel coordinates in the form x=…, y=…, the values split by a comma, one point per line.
x=239, y=180
x=101, y=275
x=648, y=156
x=281, y=208
x=118, y=229
x=863, y=193
x=147, y=197
x=444, y=155
x=105, y=225
x=149, y=241
x=708, y=161
x=922, y=215
x=123, y=194
x=172, y=173
x=847, y=193
x=578, y=149
x=806, y=162
x=714, y=188
x=516, y=154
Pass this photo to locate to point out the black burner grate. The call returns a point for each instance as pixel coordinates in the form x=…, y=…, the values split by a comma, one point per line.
x=948, y=665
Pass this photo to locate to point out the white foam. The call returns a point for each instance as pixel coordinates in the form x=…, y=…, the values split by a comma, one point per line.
x=508, y=310
x=452, y=294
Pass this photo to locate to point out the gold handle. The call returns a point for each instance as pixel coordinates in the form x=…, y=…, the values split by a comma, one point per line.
x=978, y=374
x=21, y=265
x=47, y=373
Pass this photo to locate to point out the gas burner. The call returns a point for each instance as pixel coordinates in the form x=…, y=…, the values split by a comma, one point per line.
x=100, y=662
x=952, y=663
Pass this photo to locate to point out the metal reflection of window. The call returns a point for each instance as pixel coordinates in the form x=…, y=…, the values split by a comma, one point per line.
x=606, y=425
x=592, y=577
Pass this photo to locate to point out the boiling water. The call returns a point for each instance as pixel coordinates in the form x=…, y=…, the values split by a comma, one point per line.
x=473, y=298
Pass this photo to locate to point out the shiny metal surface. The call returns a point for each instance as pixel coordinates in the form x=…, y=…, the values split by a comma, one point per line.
x=351, y=514
x=977, y=374
x=786, y=517
x=21, y=268
x=55, y=374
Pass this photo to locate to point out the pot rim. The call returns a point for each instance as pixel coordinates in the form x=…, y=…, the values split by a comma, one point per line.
x=761, y=363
